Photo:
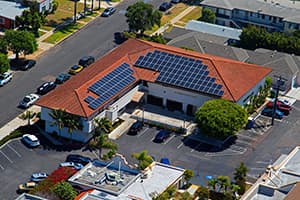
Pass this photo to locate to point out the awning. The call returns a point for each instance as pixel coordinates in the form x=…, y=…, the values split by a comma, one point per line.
x=137, y=96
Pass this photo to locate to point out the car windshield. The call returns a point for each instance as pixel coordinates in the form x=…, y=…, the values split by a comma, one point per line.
x=75, y=67
x=26, y=99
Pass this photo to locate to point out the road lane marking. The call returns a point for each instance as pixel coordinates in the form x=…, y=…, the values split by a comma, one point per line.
x=143, y=132
x=6, y=157
x=167, y=141
x=14, y=150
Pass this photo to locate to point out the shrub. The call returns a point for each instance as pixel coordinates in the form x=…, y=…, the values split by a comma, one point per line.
x=12, y=135
x=64, y=190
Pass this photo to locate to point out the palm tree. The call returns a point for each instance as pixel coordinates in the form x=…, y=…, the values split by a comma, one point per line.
x=58, y=117
x=213, y=183
x=235, y=188
x=224, y=182
x=103, y=125
x=144, y=159
x=99, y=4
x=92, y=7
x=28, y=115
x=73, y=124
x=240, y=172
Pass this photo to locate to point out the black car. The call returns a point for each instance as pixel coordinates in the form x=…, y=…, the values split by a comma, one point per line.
x=86, y=61
x=46, y=87
x=165, y=6
x=162, y=135
x=28, y=64
x=22, y=64
x=119, y=37
x=108, y=11
x=135, y=128
x=78, y=159
x=62, y=77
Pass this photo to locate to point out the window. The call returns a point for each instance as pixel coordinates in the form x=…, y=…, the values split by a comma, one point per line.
x=2, y=21
x=263, y=16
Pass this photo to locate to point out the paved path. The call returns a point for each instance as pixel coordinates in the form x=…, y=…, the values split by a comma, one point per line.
x=174, y=20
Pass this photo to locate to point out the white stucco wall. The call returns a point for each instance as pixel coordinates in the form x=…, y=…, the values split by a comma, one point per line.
x=186, y=97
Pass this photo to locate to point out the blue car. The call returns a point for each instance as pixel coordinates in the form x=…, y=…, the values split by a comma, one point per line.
x=161, y=136
x=269, y=111
x=62, y=78
x=165, y=161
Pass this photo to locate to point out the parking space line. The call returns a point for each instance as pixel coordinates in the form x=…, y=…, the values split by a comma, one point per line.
x=243, y=142
x=180, y=145
x=195, y=148
x=166, y=142
x=14, y=150
x=144, y=131
x=245, y=136
x=152, y=138
x=1, y=167
x=6, y=157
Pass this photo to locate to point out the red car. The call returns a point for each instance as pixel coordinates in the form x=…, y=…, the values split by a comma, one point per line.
x=280, y=106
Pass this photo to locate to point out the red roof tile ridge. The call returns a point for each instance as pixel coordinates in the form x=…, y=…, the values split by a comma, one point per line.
x=78, y=98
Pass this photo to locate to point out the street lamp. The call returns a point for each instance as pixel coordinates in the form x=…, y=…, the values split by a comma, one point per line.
x=280, y=83
x=75, y=10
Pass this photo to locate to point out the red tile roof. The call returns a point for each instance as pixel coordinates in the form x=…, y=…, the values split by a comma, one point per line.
x=236, y=77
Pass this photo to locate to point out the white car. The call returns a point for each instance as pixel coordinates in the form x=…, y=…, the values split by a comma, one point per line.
x=28, y=100
x=36, y=177
x=5, y=78
x=31, y=140
x=77, y=166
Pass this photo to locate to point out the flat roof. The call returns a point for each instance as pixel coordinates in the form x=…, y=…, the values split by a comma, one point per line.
x=10, y=9
x=214, y=29
x=268, y=8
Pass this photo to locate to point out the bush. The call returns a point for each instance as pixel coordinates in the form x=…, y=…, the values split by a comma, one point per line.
x=64, y=190
x=12, y=135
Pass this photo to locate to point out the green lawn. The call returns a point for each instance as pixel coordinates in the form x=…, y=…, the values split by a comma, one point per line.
x=173, y=12
x=60, y=34
x=194, y=14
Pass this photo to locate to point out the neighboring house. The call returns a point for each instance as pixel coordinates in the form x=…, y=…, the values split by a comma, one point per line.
x=8, y=12
x=116, y=181
x=281, y=180
x=170, y=77
x=268, y=14
x=43, y=5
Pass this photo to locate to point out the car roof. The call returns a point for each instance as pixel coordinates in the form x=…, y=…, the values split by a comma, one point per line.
x=31, y=137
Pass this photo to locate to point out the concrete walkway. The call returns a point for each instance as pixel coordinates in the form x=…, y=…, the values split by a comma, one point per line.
x=174, y=20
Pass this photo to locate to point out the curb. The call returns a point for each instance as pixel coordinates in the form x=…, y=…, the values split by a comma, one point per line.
x=17, y=138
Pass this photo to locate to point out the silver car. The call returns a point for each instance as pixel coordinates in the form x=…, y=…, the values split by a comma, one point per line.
x=5, y=78
x=28, y=100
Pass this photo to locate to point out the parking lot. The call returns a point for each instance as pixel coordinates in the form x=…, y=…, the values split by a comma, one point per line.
x=18, y=162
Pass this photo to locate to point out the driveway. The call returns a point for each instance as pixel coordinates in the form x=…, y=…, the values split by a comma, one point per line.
x=18, y=162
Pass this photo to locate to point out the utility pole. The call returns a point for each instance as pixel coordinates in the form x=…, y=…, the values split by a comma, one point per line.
x=280, y=82
x=75, y=10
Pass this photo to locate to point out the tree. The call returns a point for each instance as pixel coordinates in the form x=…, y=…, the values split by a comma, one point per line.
x=64, y=190
x=143, y=158
x=58, y=117
x=4, y=63
x=213, y=183
x=220, y=118
x=208, y=16
x=240, y=175
x=141, y=16
x=224, y=182
x=3, y=46
x=20, y=42
x=188, y=174
x=72, y=123
x=103, y=125
x=202, y=193
x=55, y=5
x=27, y=115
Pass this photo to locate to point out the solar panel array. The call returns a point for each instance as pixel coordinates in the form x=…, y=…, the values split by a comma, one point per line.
x=109, y=85
x=180, y=71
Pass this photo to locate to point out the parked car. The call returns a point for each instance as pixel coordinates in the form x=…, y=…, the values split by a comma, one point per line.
x=281, y=107
x=284, y=101
x=175, y=1
x=162, y=135
x=119, y=37
x=62, y=77
x=78, y=159
x=165, y=6
x=5, y=78
x=37, y=177
x=108, y=11
x=165, y=161
x=26, y=187
x=135, y=128
x=31, y=140
x=28, y=100
x=86, y=61
x=46, y=87
x=75, y=69
x=28, y=64
x=268, y=112
x=77, y=166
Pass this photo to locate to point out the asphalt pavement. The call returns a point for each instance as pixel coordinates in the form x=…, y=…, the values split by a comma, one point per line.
x=96, y=39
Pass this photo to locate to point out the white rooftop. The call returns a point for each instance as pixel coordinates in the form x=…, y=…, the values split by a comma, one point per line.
x=280, y=178
x=214, y=29
x=10, y=9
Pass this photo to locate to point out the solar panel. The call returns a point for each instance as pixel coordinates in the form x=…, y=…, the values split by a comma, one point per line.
x=180, y=71
x=110, y=84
